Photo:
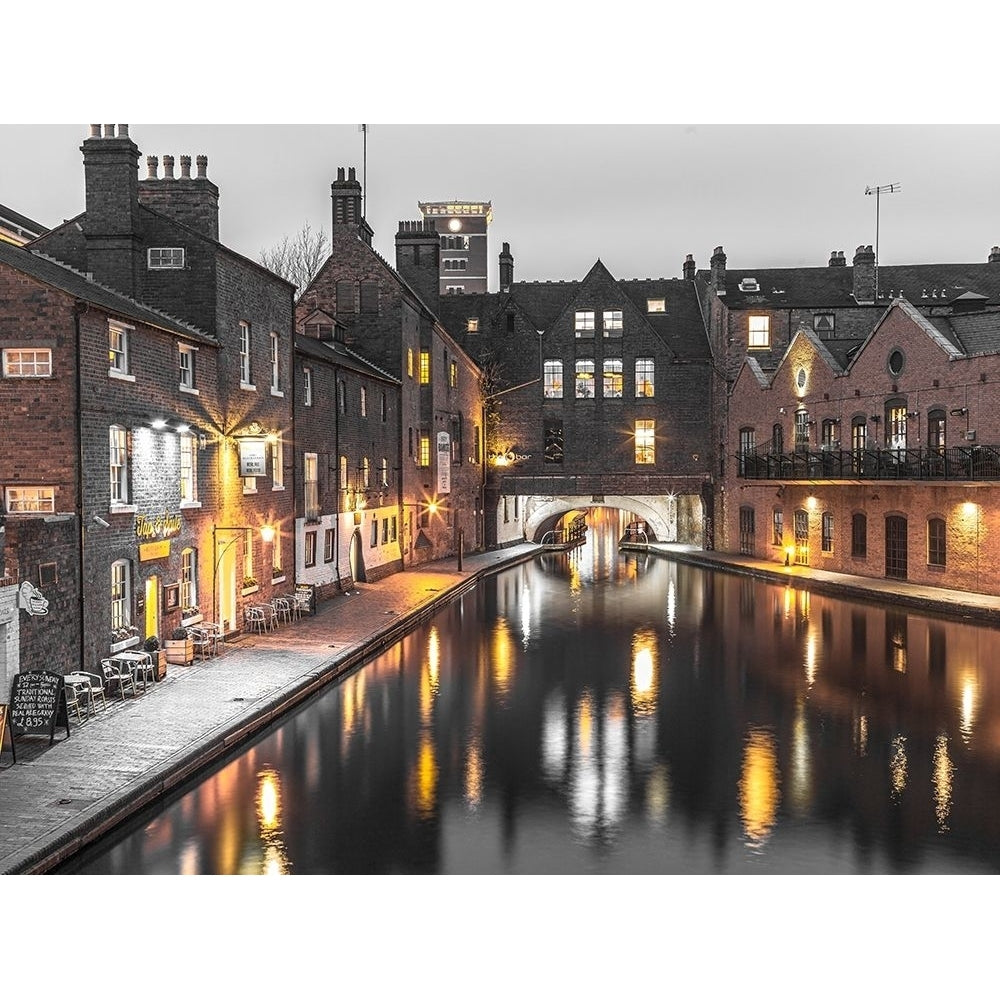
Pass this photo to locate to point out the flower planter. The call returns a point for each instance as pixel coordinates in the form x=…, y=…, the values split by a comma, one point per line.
x=179, y=650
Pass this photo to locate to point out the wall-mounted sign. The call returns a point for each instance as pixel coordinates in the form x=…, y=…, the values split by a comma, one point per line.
x=29, y=598
x=164, y=525
x=443, y=462
x=253, y=457
x=154, y=550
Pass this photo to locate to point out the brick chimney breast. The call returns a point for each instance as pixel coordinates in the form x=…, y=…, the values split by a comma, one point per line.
x=864, y=274
x=689, y=267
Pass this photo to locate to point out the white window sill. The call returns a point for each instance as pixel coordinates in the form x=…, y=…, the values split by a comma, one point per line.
x=248, y=386
x=193, y=620
x=189, y=389
x=124, y=376
x=189, y=504
x=249, y=590
x=122, y=508
x=278, y=579
x=278, y=489
x=248, y=493
x=277, y=392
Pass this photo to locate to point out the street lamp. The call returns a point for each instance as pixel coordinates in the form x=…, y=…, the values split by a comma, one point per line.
x=267, y=533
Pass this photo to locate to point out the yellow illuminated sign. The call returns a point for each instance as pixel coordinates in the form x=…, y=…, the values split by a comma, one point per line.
x=154, y=550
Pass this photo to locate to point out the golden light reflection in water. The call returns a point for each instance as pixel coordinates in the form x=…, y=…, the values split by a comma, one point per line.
x=424, y=779
x=644, y=683
x=274, y=861
x=801, y=759
x=433, y=656
x=525, y=615
x=502, y=658
x=575, y=584
x=658, y=794
x=671, y=606
x=861, y=735
x=353, y=703
x=759, y=788
x=897, y=766
x=944, y=770
x=810, y=661
x=898, y=643
x=429, y=676
x=474, y=773
x=585, y=723
x=970, y=704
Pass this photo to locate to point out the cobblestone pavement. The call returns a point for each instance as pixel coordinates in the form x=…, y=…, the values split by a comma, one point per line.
x=57, y=799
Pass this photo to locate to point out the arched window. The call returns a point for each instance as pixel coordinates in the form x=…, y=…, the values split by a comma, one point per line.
x=936, y=542
x=777, y=440
x=859, y=536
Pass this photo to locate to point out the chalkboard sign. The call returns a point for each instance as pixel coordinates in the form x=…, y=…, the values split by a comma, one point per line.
x=38, y=704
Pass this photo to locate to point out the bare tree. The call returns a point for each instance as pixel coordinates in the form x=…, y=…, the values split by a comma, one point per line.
x=298, y=258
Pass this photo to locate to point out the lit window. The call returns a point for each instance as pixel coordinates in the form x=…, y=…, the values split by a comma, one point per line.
x=384, y=473
x=760, y=331
x=248, y=573
x=189, y=578
x=584, y=324
x=613, y=378
x=121, y=594
x=344, y=484
x=612, y=322
x=365, y=473
x=119, y=464
x=656, y=305
x=275, y=367
x=645, y=442
x=245, y=372
x=189, y=467
x=307, y=387
x=472, y=326
x=453, y=375
x=277, y=463
x=778, y=527
x=553, y=385
x=310, y=553
x=374, y=535
x=645, y=383
x=409, y=361
x=310, y=483
x=585, y=379
x=118, y=345
x=276, y=569
x=31, y=500
x=425, y=449
x=21, y=363
x=827, y=529
x=328, y=545
x=185, y=365
x=164, y=258
x=425, y=367
x=364, y=401
x=936, y=542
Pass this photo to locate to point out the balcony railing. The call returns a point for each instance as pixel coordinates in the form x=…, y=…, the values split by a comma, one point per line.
x=975, y=462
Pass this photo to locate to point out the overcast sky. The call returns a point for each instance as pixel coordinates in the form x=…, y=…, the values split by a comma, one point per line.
x=759, y=157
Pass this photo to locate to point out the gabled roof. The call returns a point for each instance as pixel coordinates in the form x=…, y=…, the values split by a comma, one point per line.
x=21, y=224
x=950, y=348
x=338, y=353
x=67, y=279
x=831, y=287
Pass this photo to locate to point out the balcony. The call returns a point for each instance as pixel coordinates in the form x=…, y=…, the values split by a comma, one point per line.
x=970, y=464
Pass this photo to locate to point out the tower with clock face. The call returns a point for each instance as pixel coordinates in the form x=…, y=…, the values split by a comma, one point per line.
x=462, y=227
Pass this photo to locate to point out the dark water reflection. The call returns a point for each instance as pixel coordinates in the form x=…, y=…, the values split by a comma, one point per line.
x=599, y=712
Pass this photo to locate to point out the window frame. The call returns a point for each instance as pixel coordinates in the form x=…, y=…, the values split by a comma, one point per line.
x=585, y=375
x=119, y=349
x=758, y=332
x=246, y=346
x=307, y=386
x=185, y=367
x=583, y=324
x=8, y=364
x=275, y=366
x=188, y=468
x=38, y=505
x=645, y=376
x=612, y=370
x=552, y=378
x=118, y=465
x=160, y=265
x=937, y=542
x=645, y=441
x=121, y=594
x=613, y=323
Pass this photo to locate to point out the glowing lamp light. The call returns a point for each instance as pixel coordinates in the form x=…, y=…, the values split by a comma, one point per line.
x=432, y=507
x=267, y=533
x=159, y=423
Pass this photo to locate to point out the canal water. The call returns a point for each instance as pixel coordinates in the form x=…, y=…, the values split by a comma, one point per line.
x=609, y=712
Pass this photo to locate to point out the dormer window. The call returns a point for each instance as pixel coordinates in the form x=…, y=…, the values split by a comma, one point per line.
x=164, y=258
x=749, y=285
x=823, y=323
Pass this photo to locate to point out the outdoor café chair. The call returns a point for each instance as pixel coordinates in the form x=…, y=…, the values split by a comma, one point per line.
x=254, y=620
x=282, y=609
x=94, y=690
x=73, y=693
x=122, y=679
x=201, y=641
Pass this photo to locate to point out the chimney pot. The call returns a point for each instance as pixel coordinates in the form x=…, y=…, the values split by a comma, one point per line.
x=340, y=173
x=168, y=166
x=123, y=131
x=186, y=167
x=109, y=131
x=95, y=131
x=152, y=167
x=202, y=162
x=351, y=176
x=994, y=257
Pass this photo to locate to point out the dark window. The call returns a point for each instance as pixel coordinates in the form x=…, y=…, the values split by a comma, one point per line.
x=554, y=441
x=936, y=430
x=778, y=527
x=747, y=530
x=859, y=536
x=935, y=542
x=896, y=363
x=369, y=297
x=347, y=297
x=827, y=531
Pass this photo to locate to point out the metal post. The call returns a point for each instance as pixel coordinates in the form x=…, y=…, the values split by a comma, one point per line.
x=461, y=545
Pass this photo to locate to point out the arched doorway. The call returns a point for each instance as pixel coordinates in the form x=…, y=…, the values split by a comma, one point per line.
x=357, y=559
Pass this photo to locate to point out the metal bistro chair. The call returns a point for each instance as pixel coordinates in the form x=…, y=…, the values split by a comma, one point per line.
x=94, y=690
x=216, y=633
x=202, y=642
x=144, y=670
x=123, y=679
x=72, y=693
x=254, y=620
x=282, y=609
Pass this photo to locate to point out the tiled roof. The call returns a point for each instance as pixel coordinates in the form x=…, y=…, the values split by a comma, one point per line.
x=332, y=350
x=65, y=278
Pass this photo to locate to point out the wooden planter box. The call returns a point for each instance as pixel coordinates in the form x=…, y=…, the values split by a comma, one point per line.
x=179, y=650
x=160, y=659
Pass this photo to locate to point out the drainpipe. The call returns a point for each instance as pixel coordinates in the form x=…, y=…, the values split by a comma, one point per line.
x=79, y=308
x=336, y=465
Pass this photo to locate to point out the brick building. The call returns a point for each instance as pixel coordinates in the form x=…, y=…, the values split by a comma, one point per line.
x=463, y=228
x=861, y=435
x=347, y=436
x=181, y=355
x=598, y=395
x=388, y=318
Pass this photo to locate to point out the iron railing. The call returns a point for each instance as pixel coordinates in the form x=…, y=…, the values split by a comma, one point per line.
x=975, y=462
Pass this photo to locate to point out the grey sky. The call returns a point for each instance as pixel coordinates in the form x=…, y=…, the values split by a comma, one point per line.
x=637, y=197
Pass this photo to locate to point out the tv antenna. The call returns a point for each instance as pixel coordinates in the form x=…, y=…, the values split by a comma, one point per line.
x=363, y=129
x=878, y=192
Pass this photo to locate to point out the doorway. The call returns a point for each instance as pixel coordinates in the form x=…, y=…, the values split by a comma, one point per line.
x=152, y=607
x=225, y=560
x=895, y=547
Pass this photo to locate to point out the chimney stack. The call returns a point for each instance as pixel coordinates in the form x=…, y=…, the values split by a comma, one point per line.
x=689, y=267
x=718, y=271
x=994, y=257
x=347, y=204
x=418, y=259
x=194, y=203
x=506, y=268
x=837, y=258
x=864, y=275
x=168, y=167
x=152, y=167
x=185, y=167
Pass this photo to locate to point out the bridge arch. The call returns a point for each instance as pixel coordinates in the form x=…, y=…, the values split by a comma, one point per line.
x=660, y=513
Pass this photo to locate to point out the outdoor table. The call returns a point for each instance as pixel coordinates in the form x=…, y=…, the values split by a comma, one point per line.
x=80, y=683
x=135, y=663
